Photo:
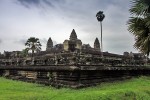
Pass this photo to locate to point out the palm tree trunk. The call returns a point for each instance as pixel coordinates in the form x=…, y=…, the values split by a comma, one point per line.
x=101, y=39
x=32, y=53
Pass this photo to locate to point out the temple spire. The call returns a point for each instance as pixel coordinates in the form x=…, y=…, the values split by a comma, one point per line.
x=49, y=44
x=96, y=44
x=73, y=35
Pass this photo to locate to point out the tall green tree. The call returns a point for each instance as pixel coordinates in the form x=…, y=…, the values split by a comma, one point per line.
x=33, y=44
x=139, y=25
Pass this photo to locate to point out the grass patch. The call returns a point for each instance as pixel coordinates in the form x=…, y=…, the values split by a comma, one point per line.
x=133, y=89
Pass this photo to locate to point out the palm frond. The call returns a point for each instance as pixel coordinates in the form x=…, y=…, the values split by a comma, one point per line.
x=140, y=7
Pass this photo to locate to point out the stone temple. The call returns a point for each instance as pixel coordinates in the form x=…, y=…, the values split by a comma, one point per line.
x=72, y=64
x=73, y=51
x=72, y=45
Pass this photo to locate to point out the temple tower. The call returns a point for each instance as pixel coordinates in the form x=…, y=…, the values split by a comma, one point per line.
x=97, y=44
x=73, y=35
x=73, y=43
x=49, y=44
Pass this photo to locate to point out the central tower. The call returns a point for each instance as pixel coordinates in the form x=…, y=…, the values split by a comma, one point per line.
x=73, y=35
x=73, y=43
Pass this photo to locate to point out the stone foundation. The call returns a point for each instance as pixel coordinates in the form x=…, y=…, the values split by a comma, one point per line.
x=74, y=77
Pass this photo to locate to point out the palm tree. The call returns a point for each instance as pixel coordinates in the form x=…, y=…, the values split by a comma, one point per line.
x=33, y=44
x=100, y=16
x=139, y=25
x=140, y=7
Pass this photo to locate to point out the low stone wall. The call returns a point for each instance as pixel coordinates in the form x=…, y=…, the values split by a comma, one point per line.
x=90, y=78
x=83, y=77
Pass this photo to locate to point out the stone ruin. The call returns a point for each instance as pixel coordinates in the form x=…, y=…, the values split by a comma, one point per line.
x=72, y=64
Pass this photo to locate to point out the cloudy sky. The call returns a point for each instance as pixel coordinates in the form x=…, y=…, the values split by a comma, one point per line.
x=21, y=19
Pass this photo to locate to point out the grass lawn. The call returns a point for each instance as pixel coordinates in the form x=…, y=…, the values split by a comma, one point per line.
x=133, y=89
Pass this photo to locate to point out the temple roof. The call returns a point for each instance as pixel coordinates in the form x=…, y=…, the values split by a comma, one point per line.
x=73, y=35
x=50, y=40
x=96, y=41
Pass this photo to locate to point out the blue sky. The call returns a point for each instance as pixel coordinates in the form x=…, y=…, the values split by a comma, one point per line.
x=21, y=19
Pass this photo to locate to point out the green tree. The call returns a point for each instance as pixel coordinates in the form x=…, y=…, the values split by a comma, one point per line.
x=139, y=25
x=33, y=44
x=24, y=52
